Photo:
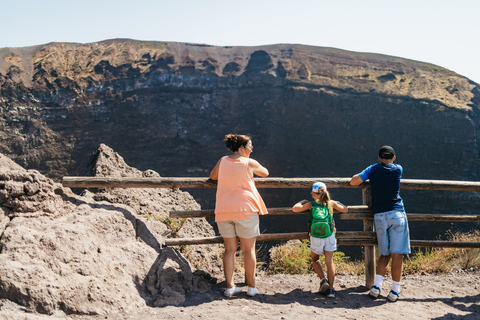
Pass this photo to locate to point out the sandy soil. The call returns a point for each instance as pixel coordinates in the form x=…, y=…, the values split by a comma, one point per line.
x=453, y=296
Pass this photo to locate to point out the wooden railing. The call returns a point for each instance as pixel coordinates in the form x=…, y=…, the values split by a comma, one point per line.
x=367, y=237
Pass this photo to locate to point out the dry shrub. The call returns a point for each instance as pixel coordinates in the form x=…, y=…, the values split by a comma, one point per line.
x=444, y=260
x=293, y=257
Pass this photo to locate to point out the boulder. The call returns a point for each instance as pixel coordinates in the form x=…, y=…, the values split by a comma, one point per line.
x=62, y=252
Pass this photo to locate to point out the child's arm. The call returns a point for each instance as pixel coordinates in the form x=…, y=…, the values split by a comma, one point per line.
x=302, y=206
x=338, y=206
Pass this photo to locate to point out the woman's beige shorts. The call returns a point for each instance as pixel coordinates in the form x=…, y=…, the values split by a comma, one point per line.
x=248, y=228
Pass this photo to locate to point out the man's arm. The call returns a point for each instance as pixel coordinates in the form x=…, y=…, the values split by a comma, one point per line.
x=356, y=180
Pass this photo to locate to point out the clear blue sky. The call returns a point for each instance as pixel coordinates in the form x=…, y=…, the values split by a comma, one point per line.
x=442, y=32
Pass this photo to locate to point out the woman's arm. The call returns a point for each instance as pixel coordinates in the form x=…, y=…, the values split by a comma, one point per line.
x=302, y=206
x=214, y=173
x=338, y=206
x=256, y=168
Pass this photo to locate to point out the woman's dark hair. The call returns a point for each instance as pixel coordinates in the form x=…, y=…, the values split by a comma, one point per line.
x=235, y=141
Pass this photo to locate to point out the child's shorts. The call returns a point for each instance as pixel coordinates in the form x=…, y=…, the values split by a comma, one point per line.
x=393, y=235
x=319, y=245
x=247, y=228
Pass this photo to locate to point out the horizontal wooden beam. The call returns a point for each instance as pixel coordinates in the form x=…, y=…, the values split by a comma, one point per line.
x=452, y=217
x=351, y=235
x=449, y=185
x=206, y=213
x=131, y=182
x=355, y=213
x=282, y=183
x=474, y=217
x=344, y=238
x=445, y=244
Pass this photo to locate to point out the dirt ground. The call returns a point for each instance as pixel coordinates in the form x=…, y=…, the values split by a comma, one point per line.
x=452, y=296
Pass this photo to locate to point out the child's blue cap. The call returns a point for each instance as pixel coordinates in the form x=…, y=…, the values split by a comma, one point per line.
x=318, y=186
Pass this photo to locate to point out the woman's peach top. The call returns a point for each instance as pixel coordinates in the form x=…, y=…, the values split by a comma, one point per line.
x=237, y=196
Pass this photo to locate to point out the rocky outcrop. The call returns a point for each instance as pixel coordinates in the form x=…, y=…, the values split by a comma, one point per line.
x=62, y=252
x=155, y=204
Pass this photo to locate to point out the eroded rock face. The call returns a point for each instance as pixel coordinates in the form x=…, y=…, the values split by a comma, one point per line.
x=156, y=204
x=61, y=251
x=312, y=112
x=167, y=106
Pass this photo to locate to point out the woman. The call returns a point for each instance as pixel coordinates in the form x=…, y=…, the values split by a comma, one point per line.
x=237, y=207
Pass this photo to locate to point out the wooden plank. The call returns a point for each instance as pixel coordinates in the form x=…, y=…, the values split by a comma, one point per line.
x=440, y=185
x=356, y=216
x=355, y=236
x=205, y=213
x=369, y=250
x=445, y=244
x=342, y=240
x=132, y=182
x=355, y=213
x=475, y=217
x=191, y=241
x=282, y=183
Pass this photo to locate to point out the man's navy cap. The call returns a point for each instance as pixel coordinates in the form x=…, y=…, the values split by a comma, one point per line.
x=386, y=152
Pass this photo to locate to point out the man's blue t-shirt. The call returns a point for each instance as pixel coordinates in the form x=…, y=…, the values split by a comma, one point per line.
x=385, y=186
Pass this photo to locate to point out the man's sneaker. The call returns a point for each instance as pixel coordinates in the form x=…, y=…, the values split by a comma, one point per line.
x=324, y=285
x=393, y=296
x=252, y=291
x=232, y=291
x=374, y=291
x=331, y=293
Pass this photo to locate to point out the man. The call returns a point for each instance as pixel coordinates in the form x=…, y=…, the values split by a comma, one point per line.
x=390, y=219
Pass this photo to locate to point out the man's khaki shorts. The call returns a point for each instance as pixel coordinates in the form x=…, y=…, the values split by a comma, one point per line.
x=247, y=229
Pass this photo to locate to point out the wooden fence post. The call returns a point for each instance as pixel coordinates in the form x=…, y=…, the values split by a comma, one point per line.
x=369, y=250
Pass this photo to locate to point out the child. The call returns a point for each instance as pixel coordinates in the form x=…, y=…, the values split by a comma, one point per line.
x=322, y=233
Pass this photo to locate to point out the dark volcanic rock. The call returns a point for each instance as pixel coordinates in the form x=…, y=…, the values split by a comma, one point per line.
x=313, y=112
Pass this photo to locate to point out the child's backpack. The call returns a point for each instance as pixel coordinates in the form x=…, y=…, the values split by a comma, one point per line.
x=322, y=223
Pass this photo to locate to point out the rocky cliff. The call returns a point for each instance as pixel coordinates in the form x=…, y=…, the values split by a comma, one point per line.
x=312, y=111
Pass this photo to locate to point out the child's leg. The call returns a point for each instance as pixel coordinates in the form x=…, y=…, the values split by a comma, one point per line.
x=330, y=267
x=317, y=266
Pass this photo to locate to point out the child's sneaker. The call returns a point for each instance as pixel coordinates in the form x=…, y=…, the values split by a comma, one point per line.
x=324, y=285
x=252, y=291
x=331, y=293
x=374, y=291
x=393, y=296
x=232, y=291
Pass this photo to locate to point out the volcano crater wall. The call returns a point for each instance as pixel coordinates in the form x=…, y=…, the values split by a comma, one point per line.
x=312, y=112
